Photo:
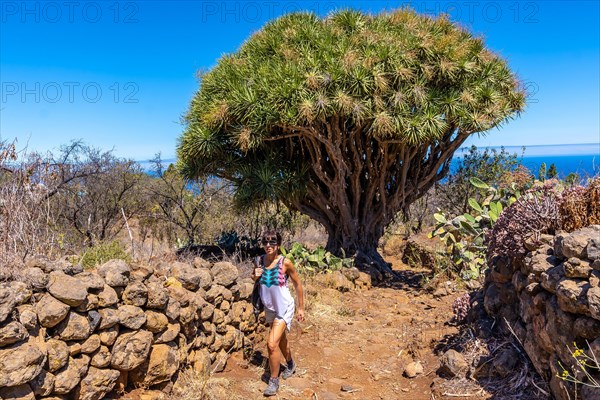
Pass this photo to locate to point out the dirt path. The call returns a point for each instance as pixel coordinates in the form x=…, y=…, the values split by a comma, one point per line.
x=355, y=345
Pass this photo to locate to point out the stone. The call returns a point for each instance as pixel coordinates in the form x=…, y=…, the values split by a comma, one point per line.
x=180, y=294
x=575, y=244
x=595, y=278
x=93, y=317
x=97, y=383
x=201, y=361
x=136, y=293
x=540, y=262
x=130, y=350
x=593, y=248
x=109, y=335
x=589, y=393
x=43, y=384
x=187, y=275
x=173, y=309
x=155, y=322
x=413, y=369
x=552, y=277
x=225, y=306
x=453, y=364
x=90, y=303
x=340, y=282
x=218, y=317
x=200, y=262
x=21, y=292
x=131, y=317
x=505, y=362
x=101, y=358
x=157, y=296
x=20, y=363
x=575, y=268
x=28, y=317
x=58, y=354
x=593, y=300
x=161, y=365
x=37, y=278
x=12, y=332
x=74, y=327
x=224, y=273
x=91, y=344
x=245, y=290
x=21, y=392
x=141, y=272
x=107, y=297
x=217, y=294
x=352, y=273
x=66, y=288
x=69, y=377
x=169, y=334
x=230, y=337
x=586, y=328
x=572, y=295
x=8, y=301
x=66, y=266
x=91, y=281
x=51, y=311
x=207, y=312
x=116, y=273
x=220, y=362
x=74, y=348
x=109, y=317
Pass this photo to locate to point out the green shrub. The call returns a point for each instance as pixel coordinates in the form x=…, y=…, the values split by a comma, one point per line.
x=310, y=262
x=102, y=253
x=465, y=235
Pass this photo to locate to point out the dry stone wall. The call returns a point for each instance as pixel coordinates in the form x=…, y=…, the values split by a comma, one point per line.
x=74, y=334
x=550, y=298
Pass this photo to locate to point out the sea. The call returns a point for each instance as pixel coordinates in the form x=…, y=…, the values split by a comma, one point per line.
x=582, y=159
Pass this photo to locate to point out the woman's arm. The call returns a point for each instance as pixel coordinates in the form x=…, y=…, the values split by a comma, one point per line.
x=257, y=270
x=290, y=270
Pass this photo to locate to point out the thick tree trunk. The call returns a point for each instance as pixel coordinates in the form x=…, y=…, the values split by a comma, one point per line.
x=358, y=183
x=362, y=246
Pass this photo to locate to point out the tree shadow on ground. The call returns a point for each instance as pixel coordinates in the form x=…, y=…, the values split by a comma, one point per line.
x=405, y=280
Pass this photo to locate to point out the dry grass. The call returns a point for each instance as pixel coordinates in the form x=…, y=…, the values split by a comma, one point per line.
x=194, y=385
x=523, y=382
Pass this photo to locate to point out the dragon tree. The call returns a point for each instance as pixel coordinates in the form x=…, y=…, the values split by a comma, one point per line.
x=348, y=119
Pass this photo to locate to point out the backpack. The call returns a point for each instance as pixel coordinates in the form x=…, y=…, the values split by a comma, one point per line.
x=256, y=300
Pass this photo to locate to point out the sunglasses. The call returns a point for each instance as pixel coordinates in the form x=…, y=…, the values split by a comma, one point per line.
x=269, y=242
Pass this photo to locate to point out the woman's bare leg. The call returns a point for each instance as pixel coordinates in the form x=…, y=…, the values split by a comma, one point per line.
x=284, y=346
x=273, y=345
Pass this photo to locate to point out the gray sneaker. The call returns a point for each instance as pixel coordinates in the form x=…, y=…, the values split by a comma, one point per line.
x=289, y=371
x=273, y=387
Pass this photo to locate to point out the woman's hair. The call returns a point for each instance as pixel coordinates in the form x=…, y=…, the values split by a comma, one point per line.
x=269, y=233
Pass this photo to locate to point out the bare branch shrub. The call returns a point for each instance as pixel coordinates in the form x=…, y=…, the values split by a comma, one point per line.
x=534, y=213
x=580, y=206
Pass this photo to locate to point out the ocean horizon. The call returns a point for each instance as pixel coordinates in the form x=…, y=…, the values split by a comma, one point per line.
x=582, y=158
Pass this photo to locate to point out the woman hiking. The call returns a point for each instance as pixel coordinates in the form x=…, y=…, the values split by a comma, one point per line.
x=272, y=270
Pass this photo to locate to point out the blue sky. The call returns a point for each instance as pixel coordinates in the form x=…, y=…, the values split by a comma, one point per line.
x=120, y=74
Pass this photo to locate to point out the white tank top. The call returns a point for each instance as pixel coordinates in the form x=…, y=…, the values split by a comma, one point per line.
x=274, y=291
